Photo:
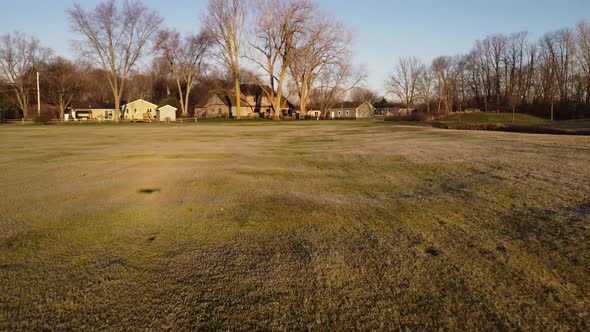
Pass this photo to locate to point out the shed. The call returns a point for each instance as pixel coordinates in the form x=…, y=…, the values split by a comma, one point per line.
x=167, y=113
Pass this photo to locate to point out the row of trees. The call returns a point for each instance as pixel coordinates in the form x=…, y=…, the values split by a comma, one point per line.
x=298, y=52
x=504, y=72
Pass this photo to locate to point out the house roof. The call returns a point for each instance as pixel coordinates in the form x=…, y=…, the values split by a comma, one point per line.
x=168, y=107
x=141, y=100
x=247, y=90
x=350, y=105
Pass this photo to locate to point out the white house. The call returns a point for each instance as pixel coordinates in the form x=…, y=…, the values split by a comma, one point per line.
x=166, y=113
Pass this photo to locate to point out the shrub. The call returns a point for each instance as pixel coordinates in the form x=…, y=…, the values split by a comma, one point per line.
x=43, y=118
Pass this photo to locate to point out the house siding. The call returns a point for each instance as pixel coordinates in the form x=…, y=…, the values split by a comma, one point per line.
x=139, y=110
x=365, y=111
x=166, y=113
x=343, y=113
x=215, y=108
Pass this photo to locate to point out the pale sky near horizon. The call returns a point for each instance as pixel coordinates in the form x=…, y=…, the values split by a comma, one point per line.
x=384, y=29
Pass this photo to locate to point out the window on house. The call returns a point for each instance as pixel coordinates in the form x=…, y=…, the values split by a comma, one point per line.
x=347, y=113
x=339, y=113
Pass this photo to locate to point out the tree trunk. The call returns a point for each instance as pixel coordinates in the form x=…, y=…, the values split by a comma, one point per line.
x=117, y=115
x=186, y=99
x=303, y=107
x=238, y=96
x=552, y=108
x=181, y=96
x=61, y=111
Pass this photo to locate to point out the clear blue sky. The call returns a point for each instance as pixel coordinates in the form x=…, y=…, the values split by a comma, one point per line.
x=384, y=29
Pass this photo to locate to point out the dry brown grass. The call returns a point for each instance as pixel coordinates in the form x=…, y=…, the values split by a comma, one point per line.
x=339, y=226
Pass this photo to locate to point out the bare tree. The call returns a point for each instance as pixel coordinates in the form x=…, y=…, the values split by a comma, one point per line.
x=362, y=94
x=281, y=27
x=20, y=59
x=335, y=83
x=139, y=85
x=483, y=70
x=225, y=22
x=115, y=38
x=566, y=49
x=186, y=57
x=495, y=47
x=515, y=63
x=446, y=70
x=64, y=83
x=426, y=86
x=549, y=70
x=583, y=41
x=326, y=43
x=403, y=83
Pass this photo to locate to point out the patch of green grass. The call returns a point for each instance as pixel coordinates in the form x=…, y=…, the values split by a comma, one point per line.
x=493, y=118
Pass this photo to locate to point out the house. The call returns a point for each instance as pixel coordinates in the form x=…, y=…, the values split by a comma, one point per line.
x=352, y=110
x=139, y=110
x=89, y=114
x=166, y=113
x=254, y=103
x=384, y=107
x=314, y=113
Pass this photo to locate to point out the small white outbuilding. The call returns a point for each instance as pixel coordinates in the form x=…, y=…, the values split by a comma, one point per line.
x=167, y=113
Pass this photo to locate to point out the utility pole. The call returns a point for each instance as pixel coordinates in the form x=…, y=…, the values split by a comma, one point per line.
x=38, y=97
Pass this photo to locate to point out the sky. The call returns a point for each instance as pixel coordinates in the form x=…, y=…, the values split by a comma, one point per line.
x=384, y=30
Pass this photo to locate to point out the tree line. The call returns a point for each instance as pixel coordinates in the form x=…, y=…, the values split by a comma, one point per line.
x=548, y=77
x=292, y=50
x=297, y=50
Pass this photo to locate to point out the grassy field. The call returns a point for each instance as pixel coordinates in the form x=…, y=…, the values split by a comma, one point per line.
x=292, y=226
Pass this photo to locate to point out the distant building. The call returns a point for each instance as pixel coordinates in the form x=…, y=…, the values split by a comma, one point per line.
x=139, y=110
x=254, y=103
x=352, y=110
x=314, y=112
x=89, y=114
x=166, y=113
x=384, y=107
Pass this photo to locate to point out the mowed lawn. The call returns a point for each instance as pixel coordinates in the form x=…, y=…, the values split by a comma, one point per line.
x=292, y=226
